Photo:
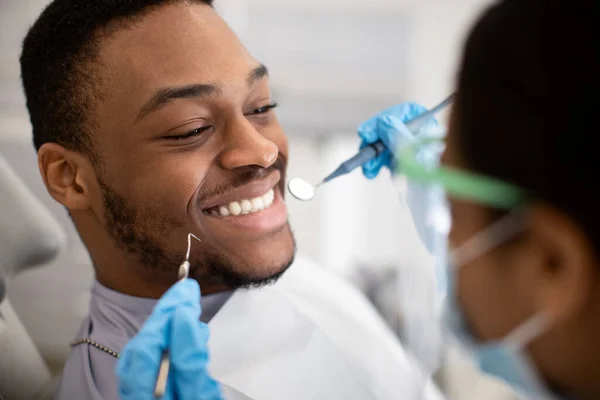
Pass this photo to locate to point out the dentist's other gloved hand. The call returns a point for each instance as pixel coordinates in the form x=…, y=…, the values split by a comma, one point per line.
x=174, y=325
x=389, y=127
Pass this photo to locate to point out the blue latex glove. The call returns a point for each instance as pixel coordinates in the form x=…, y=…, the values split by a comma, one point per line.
x=174, y=325
x=388, y=126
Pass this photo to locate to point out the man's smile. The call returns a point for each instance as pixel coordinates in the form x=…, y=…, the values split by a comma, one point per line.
x=242, y=207
x=257, y=205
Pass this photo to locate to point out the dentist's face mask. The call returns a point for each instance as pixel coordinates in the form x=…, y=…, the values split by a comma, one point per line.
x=507, y=358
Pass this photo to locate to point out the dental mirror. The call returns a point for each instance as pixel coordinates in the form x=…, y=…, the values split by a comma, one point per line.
x=301, y=189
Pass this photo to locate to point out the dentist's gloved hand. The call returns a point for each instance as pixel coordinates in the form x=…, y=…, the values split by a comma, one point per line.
x=389, y=127
x=174, y=325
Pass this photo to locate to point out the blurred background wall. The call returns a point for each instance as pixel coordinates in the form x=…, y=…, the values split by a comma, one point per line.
x=333, y=63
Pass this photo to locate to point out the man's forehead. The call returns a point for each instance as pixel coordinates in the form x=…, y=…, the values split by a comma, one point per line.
x=175, y=45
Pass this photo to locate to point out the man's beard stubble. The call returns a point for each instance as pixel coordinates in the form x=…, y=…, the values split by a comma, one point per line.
x=128, y=227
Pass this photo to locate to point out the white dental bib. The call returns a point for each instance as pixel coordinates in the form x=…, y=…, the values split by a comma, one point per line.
x=309, y=336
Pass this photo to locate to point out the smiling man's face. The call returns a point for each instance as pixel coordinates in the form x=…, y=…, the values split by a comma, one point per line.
x=187, y=142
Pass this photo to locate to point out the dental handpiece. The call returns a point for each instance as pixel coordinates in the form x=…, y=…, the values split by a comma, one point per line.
x=163, y=370
x=374, y=149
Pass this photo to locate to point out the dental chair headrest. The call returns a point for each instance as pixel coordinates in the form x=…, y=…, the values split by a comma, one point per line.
x=30, y=236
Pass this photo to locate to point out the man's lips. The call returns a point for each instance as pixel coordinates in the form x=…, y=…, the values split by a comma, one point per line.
x=246, y=192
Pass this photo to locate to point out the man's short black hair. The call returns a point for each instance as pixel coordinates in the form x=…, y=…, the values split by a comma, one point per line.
x=527, y=102
x=57, y=65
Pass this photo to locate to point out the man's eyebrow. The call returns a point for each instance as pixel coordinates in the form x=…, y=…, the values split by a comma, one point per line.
x=164, y=96
x=256, y=74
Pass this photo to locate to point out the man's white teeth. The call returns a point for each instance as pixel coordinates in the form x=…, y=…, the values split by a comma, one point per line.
x=224, y=211
x=258, y=203
x=245, y=206
x=234, y=208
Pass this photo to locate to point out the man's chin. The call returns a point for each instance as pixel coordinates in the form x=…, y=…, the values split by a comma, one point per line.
x=260, y=280
x=251, y=272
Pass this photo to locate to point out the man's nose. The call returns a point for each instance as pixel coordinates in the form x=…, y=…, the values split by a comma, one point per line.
x=246, y=146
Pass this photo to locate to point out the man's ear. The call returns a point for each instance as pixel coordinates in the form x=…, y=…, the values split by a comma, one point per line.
x=67, y=175
x=568, y=271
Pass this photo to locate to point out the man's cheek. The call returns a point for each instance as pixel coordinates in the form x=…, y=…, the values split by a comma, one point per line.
x=161, y=203
x=173, y=187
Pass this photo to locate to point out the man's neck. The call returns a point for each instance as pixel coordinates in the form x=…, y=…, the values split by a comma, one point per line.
x=136, y=280
x=130, y=284
x=123, y=273
x=143, y=285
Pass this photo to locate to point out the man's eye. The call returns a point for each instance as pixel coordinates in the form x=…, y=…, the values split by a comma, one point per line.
x=263, y=109
x=195, y=132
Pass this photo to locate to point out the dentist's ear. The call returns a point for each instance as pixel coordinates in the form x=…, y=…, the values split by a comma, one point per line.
x=568, y=272
x=67, y=175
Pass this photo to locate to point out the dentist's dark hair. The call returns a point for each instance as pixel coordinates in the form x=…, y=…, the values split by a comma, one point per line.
x=527, y=105
x=58, y=65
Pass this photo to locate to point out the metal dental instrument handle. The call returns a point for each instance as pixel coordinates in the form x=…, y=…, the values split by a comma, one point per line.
x=163, y=370
x=374, y=149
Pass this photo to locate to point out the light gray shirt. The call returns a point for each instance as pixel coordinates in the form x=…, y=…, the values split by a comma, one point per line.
x=114, y=318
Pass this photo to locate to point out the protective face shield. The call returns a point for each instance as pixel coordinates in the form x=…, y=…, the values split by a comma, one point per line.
x=421, y=289
x=429, y=209
x=506, y=358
